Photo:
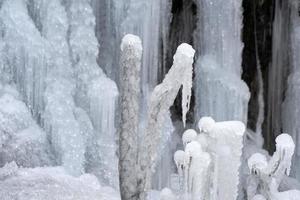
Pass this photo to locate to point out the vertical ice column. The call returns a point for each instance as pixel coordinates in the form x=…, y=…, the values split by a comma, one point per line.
x=106, y=33
x=37, y=57
x=25, y=55
x=60, y=121
x=220, y=92
x=278, y=73
x=95, y=93
x=290, y=107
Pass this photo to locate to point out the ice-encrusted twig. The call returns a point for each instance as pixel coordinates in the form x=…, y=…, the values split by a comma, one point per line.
x=162, y=99
x=131, y=54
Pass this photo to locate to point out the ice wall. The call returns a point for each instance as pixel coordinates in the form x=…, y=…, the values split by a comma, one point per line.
x=49, y=51
x=25, y=56
x=290, y=106
x=220, y=92
x=21, y=139
x=95, y=93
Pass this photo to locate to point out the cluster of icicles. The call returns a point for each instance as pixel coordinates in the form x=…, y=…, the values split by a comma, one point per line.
x=205, y=167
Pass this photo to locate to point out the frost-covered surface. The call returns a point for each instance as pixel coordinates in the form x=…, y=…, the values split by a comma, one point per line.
x=21, y=139
x=52, y=183
x=131, y=54
x=220, y=92
x=161, y=100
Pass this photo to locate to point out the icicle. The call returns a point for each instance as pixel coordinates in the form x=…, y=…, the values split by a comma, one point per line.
x=261, y=104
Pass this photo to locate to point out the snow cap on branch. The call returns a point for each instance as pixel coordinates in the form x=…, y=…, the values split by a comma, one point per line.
x=132, y=42
x=257, y=161
x=206, y=124
x=285, y=147
x=193, y=149
x=179, y=158
x=189, y=136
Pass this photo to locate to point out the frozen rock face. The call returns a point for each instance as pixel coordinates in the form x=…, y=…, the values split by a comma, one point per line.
x=21, y=139
x=220, y=92
x=52, y=183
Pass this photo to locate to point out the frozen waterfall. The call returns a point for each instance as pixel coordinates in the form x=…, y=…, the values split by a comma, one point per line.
x=49, y=50
x=60, y=73
x=218, y=67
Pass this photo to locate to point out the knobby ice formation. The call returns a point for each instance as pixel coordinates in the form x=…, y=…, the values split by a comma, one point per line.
x=208, y=167
x=266, y=176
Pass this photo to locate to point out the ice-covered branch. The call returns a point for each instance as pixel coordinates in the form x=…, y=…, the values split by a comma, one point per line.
x=131, y=54
x=266, y=176
x=161, y=100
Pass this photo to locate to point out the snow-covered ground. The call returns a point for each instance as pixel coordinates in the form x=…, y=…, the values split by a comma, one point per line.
x=50, y=184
